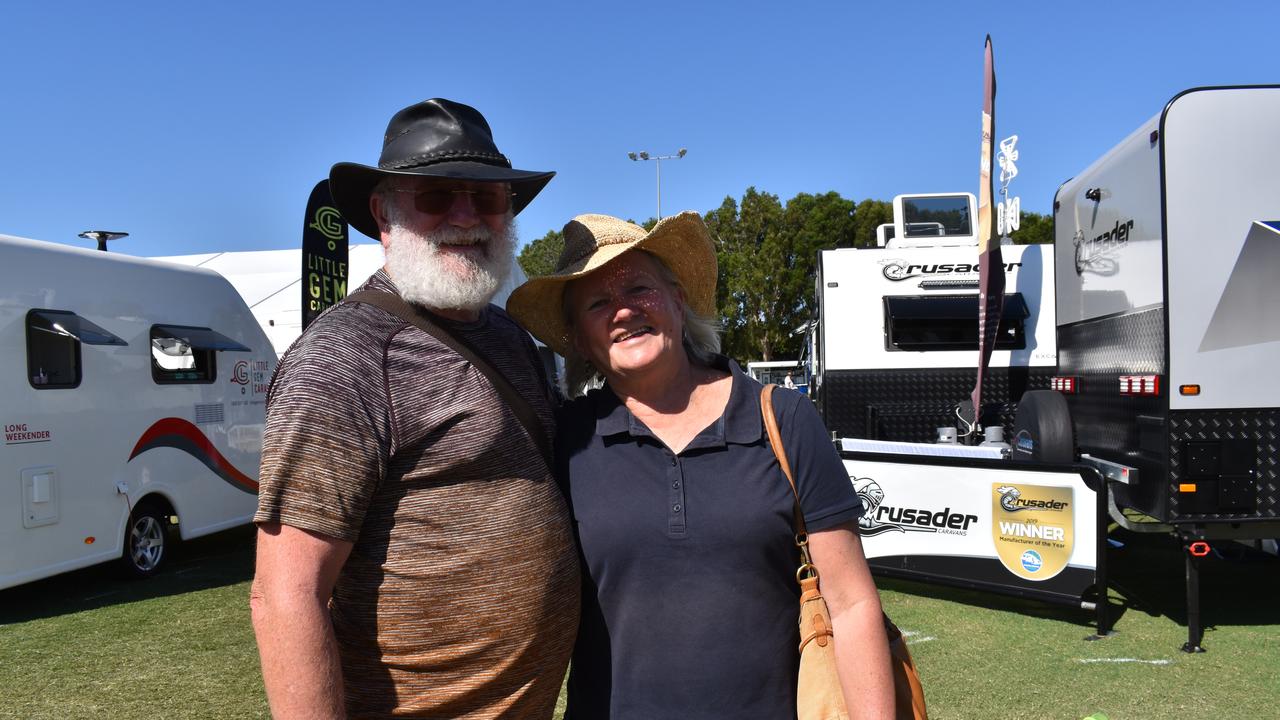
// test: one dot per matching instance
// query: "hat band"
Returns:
(444, 156)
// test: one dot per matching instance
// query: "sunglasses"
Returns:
(437, 201)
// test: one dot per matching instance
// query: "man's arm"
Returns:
(862, 650)
(295, 575)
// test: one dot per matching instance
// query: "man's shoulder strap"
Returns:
(523, 411)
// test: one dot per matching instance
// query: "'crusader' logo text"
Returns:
(1011, 500)
(878, 518)
(899, 270)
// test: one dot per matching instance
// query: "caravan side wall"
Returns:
(1187, 293)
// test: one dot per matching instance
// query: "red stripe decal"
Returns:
(182, 435)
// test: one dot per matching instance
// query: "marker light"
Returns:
(1189, 389)
(1199, 548)
(1186, 487)
(90, 540)
(1147, 385)
(1064, 385)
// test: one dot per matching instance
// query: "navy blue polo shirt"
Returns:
(689, 592)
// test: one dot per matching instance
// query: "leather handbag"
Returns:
(818, 692)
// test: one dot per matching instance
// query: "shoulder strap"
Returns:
(523, 411)
(775, 441)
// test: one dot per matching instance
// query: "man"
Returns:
(414, 554)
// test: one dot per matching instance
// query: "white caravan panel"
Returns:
(1107, 233)
(857, 281)
(1222, 177)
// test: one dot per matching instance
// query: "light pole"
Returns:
(643, 155)
(102, 236)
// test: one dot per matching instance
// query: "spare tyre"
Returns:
(1042, 429)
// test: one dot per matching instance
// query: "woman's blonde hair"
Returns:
(700, 338)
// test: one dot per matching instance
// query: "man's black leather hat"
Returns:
(434, 138)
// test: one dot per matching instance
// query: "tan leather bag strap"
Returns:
(775, 442)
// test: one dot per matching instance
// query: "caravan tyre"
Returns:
(146, 540)
(1042, 429)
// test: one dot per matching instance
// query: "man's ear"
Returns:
(378, 209)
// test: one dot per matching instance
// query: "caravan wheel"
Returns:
(146, 540)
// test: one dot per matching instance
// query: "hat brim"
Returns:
(350, 184)
(682, 242)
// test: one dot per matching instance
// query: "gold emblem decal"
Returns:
(1033, 528)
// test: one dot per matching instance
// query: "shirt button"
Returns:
(676, 507)
(675, 485)
(673, 462)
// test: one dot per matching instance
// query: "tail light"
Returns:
(1064, 385)
(1148, 385)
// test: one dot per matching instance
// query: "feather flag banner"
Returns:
(991, 279)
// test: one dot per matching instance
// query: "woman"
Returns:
(683, 516)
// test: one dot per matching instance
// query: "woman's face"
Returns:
(625, 317)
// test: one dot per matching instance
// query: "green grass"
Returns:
(986, 656)
(86, 645)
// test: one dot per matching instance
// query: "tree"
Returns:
(869, 215)
(1033, 229)
(540, 256)
(767, 256)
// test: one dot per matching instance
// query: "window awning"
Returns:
(69, 324)
(199, 338)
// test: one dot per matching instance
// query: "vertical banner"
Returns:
(324, 255)
(990, 260)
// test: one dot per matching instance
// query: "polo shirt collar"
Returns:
(740, 424)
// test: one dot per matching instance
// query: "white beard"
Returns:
(425, 276)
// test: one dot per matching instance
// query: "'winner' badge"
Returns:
(1032, 528)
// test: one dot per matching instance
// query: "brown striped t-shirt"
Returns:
(460, 596)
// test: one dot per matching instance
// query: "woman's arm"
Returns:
(862, 650)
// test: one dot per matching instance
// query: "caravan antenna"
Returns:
(102, 236)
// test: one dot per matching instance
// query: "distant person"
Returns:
(684, 517)
(414, 554)
(788, 383)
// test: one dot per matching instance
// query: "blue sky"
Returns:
(202, 127)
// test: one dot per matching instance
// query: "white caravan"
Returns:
(897, 344)
(132, 399)
(1168, 252)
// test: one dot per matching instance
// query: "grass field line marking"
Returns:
(918, 640)
(1125, 660)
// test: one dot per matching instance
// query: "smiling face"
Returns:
(625, 319)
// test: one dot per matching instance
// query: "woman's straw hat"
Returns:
(681, 242)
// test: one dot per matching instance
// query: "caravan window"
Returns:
(53, 355)
(936, 216)
(186, 354)
(949, 322)
(53, 347)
